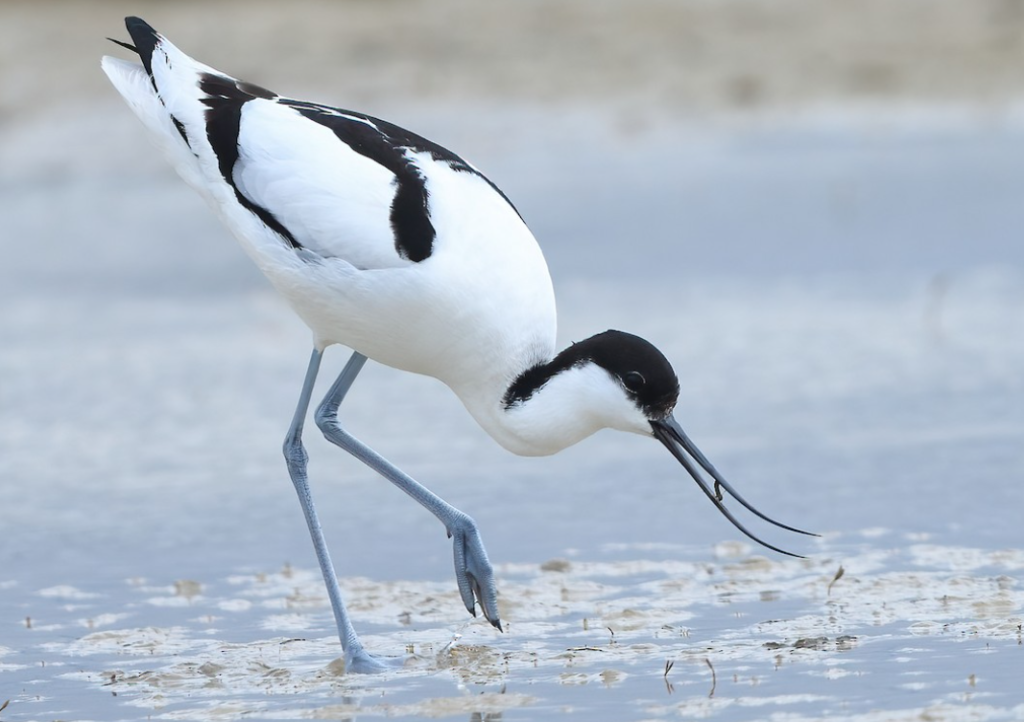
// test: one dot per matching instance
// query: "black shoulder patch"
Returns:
(420, 144)
(410, 212)
(388, 144)
(224, 100)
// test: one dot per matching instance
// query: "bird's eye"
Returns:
(633, 380)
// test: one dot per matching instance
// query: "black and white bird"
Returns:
(389, 244)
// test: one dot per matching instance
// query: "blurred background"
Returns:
(813, 206)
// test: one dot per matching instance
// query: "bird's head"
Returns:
(620, 381)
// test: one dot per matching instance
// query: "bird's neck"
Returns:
(544, 408)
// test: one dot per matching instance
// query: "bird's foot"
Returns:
(473, 570)
(360, 661)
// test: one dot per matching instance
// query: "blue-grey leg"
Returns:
(473, 570)
(357, 659)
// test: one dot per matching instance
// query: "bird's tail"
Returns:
(146, 40)
(174, 75)
(164, 93)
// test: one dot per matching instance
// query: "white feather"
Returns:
(335, 201)
(475, 314)
(541, 426)
(133, 83)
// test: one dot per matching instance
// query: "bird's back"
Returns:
(380, 239)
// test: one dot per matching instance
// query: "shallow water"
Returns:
(843, 303)
(730, 636)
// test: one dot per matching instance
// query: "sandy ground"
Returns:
(642, 57)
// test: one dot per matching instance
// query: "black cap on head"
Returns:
(644, 372)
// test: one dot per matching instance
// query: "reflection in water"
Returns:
(485, 717)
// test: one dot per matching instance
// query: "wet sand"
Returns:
(625, 640)
(836, 278)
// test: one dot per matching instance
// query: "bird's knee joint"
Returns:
(294, 452)
(464, 523)
(326, 418)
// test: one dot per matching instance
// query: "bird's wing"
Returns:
(333, 175)
(332, 182)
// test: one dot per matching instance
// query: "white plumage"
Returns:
(350, 285)
(399, 249)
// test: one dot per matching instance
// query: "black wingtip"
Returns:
(145, 39)
(129, 46)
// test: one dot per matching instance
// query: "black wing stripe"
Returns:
(388, 144)
(410, 211)
(418, 143)
(181, 130)
(224, 100)
(378, 140)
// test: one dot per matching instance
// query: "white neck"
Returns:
(571, 406)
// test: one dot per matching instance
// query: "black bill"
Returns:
(668, 432)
